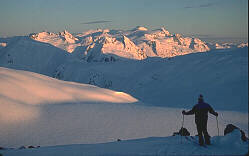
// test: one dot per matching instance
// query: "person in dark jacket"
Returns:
(201, 117)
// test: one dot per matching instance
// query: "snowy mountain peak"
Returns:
(127, 41)
(242, 45)
(140, 28)
(63, 40)
(162, 32)
(109, 48)
(166, 32)
(48, 37)
(41, 35)
(65, 32)
(3, 44)
(178, 35)
(106, 31)
(68, 37)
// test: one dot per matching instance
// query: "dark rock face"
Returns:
(230, 127)
(22, 147)
(2, 148)
(183, 132)
(31, 147)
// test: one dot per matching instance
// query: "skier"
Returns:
(201, 116)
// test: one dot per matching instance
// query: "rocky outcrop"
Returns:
(230, 128)
(183, 132)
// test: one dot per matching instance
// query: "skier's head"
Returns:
(200, 98)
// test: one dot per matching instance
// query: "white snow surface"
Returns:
(230, 144)
(227, 45)
(63, 40)
(54, 112)
(3, 44)
(221, 76)
(27, 54)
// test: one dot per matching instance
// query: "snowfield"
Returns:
(26, 54)
(230, 144)
(54, 112)
(221, 76)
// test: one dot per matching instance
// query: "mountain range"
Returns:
(138, 43)
(43, 52)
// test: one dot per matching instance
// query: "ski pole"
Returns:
(182, 120)
(182, 127)
(217, 125)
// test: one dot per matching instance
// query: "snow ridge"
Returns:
(27, 54)
(63, 40)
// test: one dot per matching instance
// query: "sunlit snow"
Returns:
(54, 112)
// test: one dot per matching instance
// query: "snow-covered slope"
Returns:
(230, 144)
(38, 90)
(27, 54)
(107, 48)
(39, 110)
(222, 76)
(162, 43)
(2, 45)
(63, 40)
(99, 45)
(227, 45)
(242, 45)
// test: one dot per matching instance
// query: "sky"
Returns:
(202, 18)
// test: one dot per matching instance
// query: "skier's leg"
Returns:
(199, 130)
(205, 132)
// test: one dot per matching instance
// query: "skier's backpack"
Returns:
(183, 132)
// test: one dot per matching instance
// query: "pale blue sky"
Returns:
(206, 18)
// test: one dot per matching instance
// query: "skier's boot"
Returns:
(201, 141)
(207, 140)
